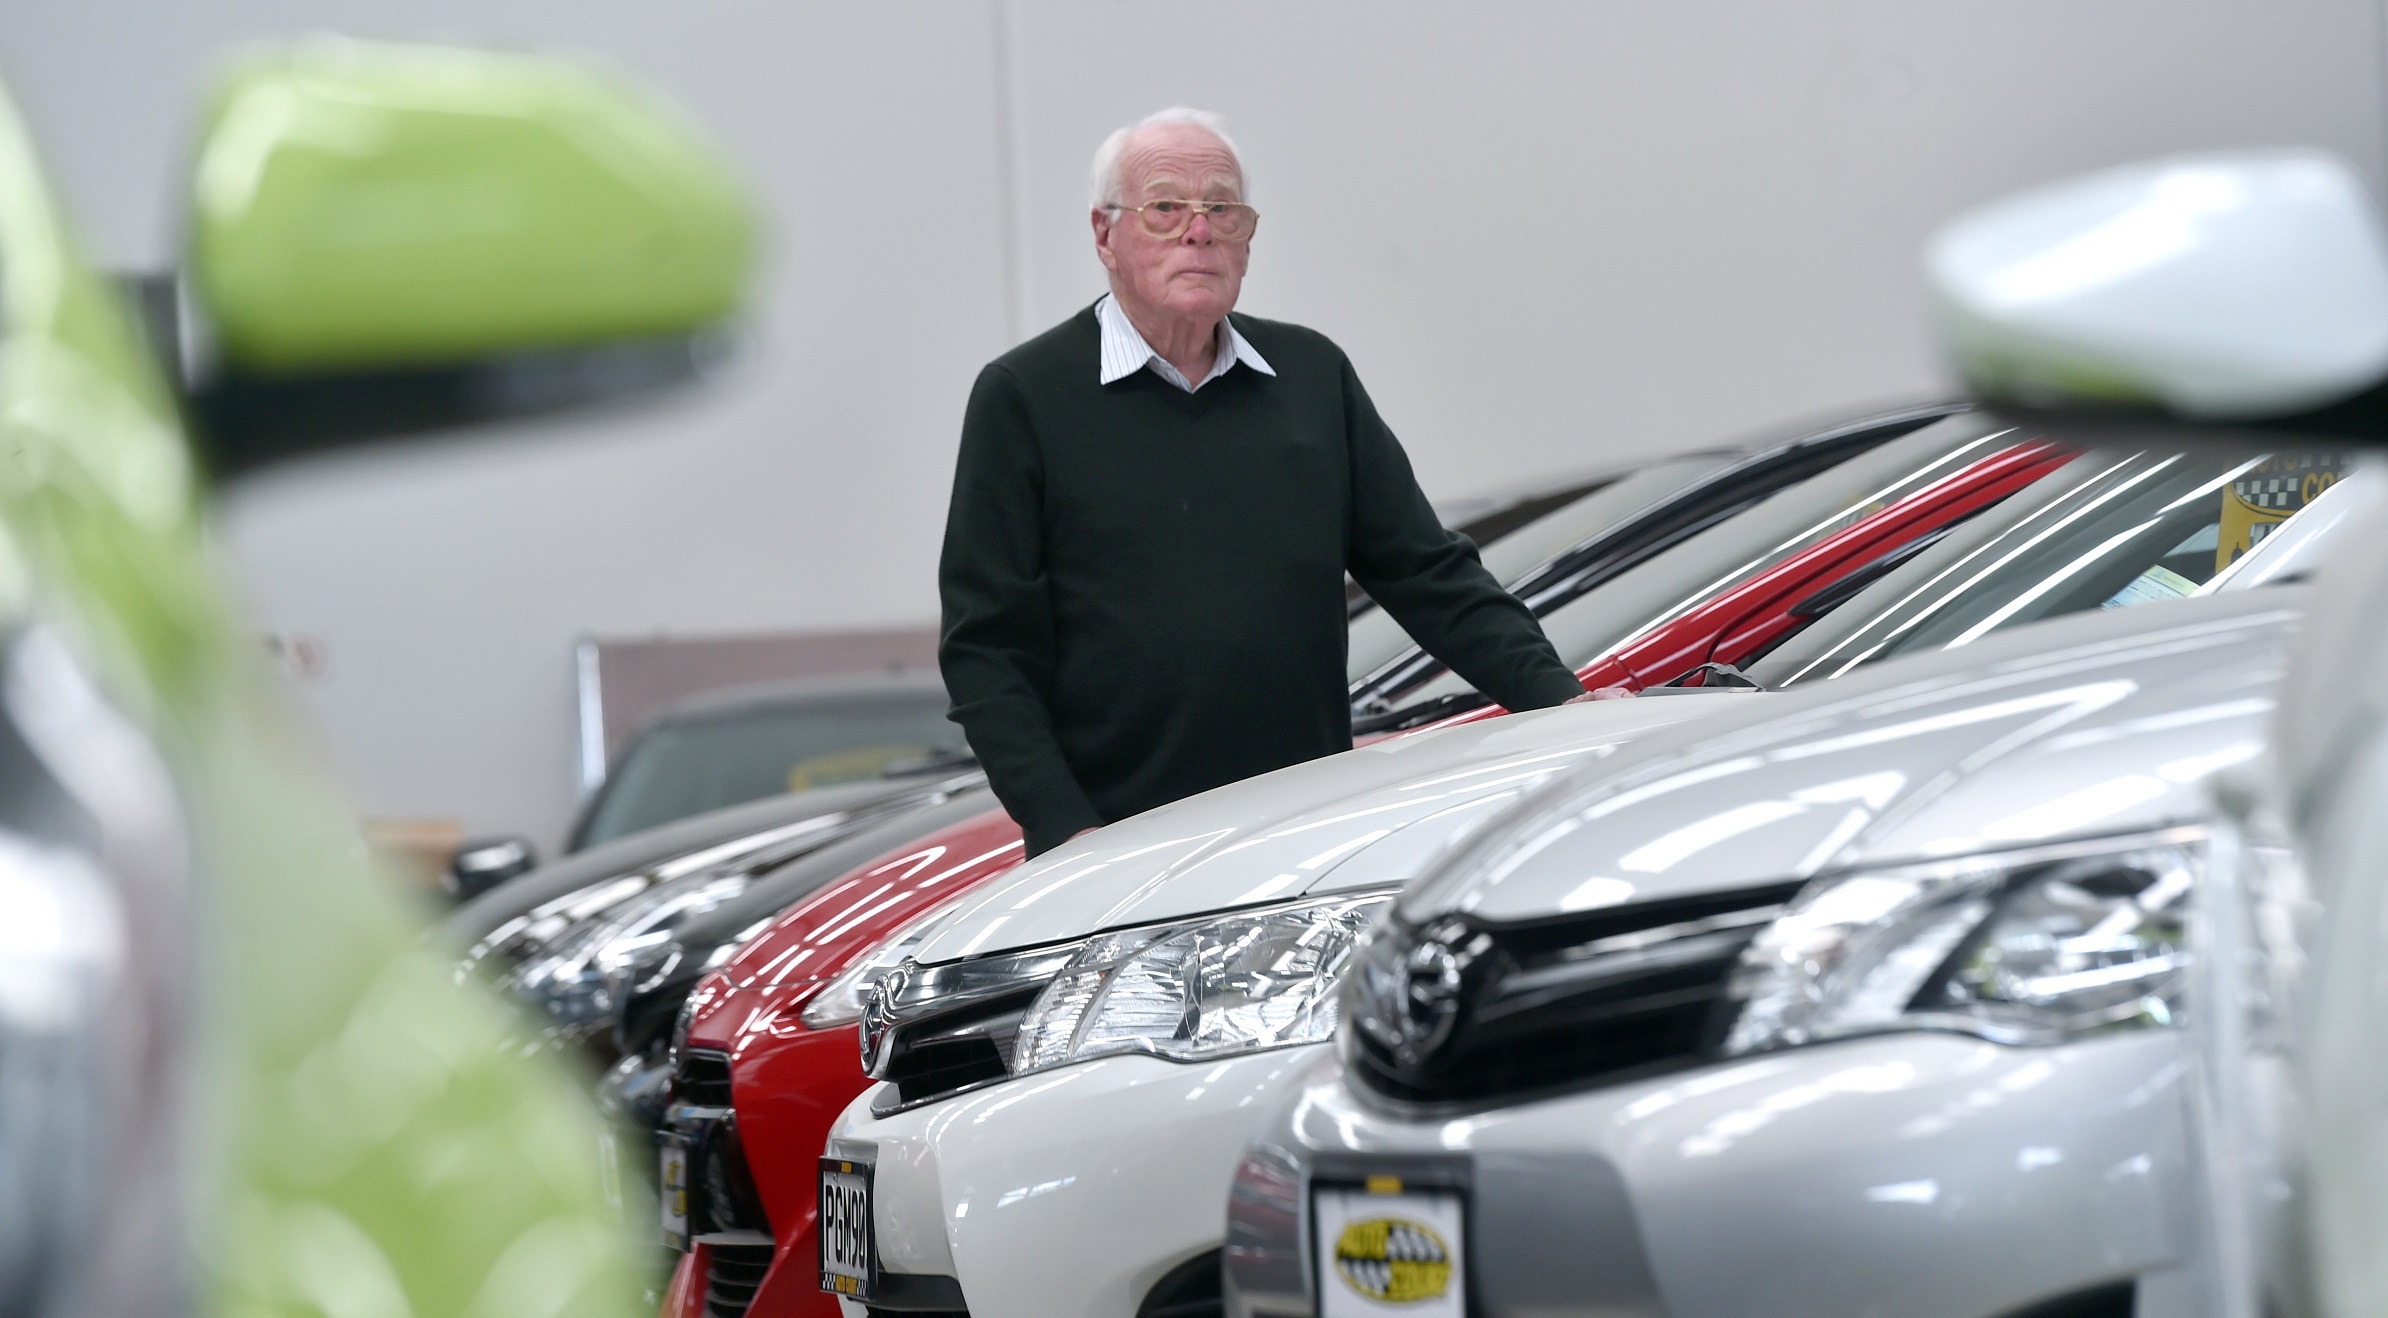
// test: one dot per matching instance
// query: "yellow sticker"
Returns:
(848, 765)
(1393, 1260)
(2267, 494)
(1384, 1185)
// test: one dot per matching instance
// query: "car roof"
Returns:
(801, 692)
(1496, 499)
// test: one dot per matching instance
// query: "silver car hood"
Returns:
(1381, 814)
(2085, 726)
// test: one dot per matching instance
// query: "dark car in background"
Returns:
(742, 743)
(734, 745)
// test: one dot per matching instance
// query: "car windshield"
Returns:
(689, 764)
(1509, 552)
(2112, 529)
(1585, 626)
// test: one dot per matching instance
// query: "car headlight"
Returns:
(506, 948)
(584, 976)
(840, 1001)
(1200, 989)
(2029, 947)
(550, 932)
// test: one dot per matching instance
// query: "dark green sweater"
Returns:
(1143, 588)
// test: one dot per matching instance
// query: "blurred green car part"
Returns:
(366, 206)
(230, 1082)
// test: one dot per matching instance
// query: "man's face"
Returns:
(1194, 274)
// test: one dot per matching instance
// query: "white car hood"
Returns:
(2094, 725)
(1381, 814)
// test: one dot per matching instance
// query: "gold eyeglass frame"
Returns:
(1212, 209)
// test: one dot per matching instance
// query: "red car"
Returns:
(770, 1035)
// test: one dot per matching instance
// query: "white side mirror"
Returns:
(2219, 288)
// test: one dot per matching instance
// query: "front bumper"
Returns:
(1070, 1192)
(1925, 1175)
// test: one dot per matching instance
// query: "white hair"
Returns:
(1106, 184)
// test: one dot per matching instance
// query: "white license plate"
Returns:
(848, 1265)
(1387, 1248)
(671, 1179)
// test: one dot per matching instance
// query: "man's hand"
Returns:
(1603, 693)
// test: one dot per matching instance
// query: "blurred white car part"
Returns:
(2218, 287)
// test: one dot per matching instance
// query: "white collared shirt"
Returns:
(1125, 352)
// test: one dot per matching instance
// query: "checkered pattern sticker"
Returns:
(2267, 494)
(1389, 1252)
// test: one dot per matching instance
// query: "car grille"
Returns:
(702, 1078)
(958, 1051)
(733, 1276)
(1593, 998)
(722, 1199)
(722, 1190)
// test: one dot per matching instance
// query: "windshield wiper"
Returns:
(1713, 677)
(941, 760)
(1411, 716)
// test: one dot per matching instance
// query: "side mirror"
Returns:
(482, 865)
(2217, 289)
(387, 239)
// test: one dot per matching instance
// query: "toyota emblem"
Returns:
(1431, 975)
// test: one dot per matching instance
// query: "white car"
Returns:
(1078, 1054)
(1074, 1186)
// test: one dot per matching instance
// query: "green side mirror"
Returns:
(2222, 289)
(393, 238)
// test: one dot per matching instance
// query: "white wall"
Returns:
(1551, 233)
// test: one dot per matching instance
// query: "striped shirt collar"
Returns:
(1125, 352)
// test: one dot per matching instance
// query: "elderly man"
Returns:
(1154, 508)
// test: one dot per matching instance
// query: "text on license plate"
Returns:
(845, 1228)
(672, 1180)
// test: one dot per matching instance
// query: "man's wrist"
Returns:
(1557, 689)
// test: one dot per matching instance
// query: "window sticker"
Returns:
(2157, 583)
(2268, 494)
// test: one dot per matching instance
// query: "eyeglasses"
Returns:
(1231, 221)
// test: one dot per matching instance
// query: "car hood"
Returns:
(753, 824)
(2094, 725)
(777, 889)
(1378, 815)
(654, 1001)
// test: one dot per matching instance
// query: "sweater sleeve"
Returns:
(1429, 578)
(996, 645)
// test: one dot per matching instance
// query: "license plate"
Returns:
(1389, 1248)
(849, 1264)
(671, 1179)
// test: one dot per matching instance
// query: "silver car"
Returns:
(1856, 1004)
